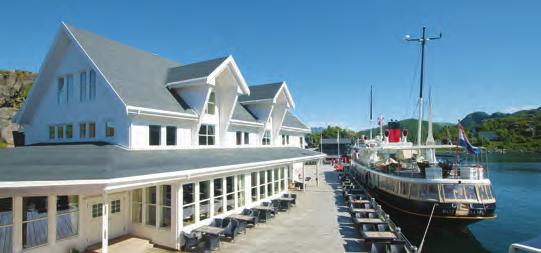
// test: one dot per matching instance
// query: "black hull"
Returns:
(420, 211)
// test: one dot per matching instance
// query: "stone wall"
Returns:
(14, 87)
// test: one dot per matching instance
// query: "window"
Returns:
(137, 206)
(246, 138)
(239, 138)
(301, 141)
(429, 192)
(69, 131)
(276, 181)
(262, 187)
(204, 200)
(218, 196)
(35, 221)
(60, 90)
(6, 223)
(154, 135)
(92, 130)
(470, 192)
(269, 183)
(115, 206)
(267, 138)
(109, 129)
(51, 132)
(69, 88)
(230, 191)
(188, 205)
(92, 85)
(60, 132)
(171, 134)
(82, 87)
(82, 130)
(97, 210)
(240, 190)
(455, 191)
(284, 179)
(206, 135)
(67, 216)
(150, 205)
(211, 104)
(254, 186)
(165, 206)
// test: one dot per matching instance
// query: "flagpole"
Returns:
(338, 142)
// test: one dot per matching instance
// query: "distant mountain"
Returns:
(474, 118)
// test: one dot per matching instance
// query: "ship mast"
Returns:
(423, 39)
(370, 112)
(430, 137)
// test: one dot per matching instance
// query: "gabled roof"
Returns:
(291, 120)
(135, 75)
(205, 72)
(262, 92)
(194, 70)
(267, 92)
(241, 113)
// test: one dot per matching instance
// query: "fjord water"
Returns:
(516, 180)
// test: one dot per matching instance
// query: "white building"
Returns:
(125, 142)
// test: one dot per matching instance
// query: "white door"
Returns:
(117, 213)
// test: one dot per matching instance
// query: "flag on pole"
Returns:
(380, 120)
(465, 142)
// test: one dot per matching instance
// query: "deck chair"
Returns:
(253, 214)
(378, 248)
(191, 240)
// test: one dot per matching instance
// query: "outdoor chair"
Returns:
(253, 214)
(368, 227)
(274, 209)
(398, 248)
(212, 242)
(191, 240)
(378, 248)
(230, 228)
(383, 228)
(291, 195)
(264, 215)
(217, 222)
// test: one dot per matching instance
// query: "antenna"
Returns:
(371, 87)
(423, 39)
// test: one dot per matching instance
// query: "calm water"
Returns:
(516, 180)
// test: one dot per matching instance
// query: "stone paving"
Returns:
(318, 223)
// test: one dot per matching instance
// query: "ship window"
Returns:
(485, 192)
(404, 188)
(470, 192)
(429, 192)
(414, 191)
(453, 191)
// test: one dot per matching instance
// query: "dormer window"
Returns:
(60, 91)
(266, 138)
(211, 104)
(207, 135)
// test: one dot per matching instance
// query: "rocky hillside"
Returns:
(14, 87)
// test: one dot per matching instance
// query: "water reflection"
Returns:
(440, 238)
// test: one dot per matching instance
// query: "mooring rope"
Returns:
(426, 230)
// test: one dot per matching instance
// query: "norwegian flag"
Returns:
(380, 120)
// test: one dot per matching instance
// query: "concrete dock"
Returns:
(318, 223)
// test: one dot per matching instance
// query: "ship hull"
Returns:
(420, 210)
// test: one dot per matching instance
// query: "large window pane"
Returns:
(165, 206)
(218, 196)
(239, 137)
(137, 206)
(6, 225)
(154, 135)
(246, 138)
(240, 190)
(151, 206)
(206, 135)
(35, 223)
(188, 204)
(67, 216)
(204, 200)
(230, 193)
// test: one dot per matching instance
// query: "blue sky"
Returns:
(329, 52)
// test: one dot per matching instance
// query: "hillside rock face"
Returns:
(14, 87)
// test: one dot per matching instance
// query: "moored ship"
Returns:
(413, 179)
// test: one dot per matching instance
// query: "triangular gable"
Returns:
(205, 73)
